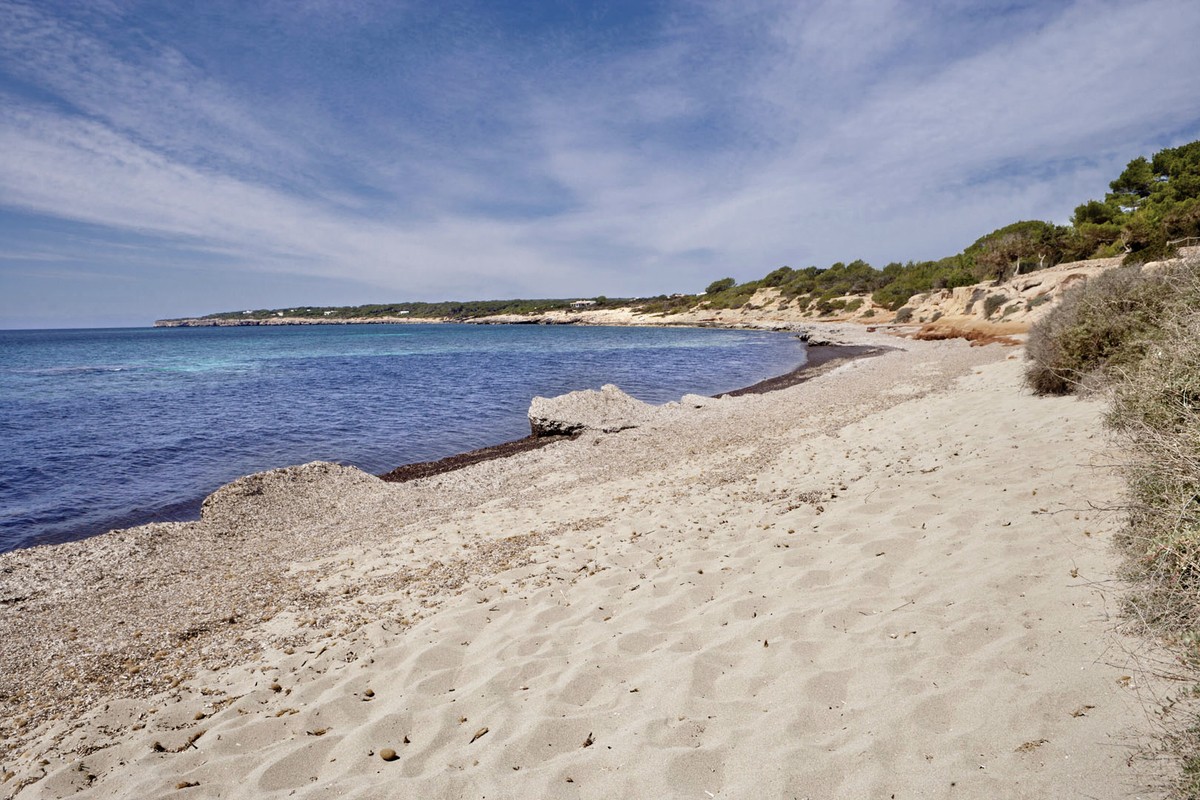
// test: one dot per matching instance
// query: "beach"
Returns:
(894, 579)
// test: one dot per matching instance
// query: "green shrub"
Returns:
(904, 314)
(870, 312)
(721, 285)
(734, 296)
(993, 302)
(1102, 325)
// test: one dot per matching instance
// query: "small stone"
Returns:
(388, 754)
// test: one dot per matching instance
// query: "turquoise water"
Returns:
(111, 428)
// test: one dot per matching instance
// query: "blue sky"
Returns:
(170, 159)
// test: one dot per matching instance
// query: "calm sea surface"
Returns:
(111, 428)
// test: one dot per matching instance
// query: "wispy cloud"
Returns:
(474, 154)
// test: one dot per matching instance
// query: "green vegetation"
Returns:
(666, 304)
(446, 310)
(718, 286)
(729, 294)
(991, 303)
(1136, 335)
(1152, 209)
(1098, 328)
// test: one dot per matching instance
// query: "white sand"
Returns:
(887, 582)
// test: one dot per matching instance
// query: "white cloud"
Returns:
(728, 142)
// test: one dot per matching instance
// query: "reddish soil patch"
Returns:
(977, 338)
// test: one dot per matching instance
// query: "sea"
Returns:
(110, 428)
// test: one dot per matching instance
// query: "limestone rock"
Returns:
(696, 401)
(608, 410)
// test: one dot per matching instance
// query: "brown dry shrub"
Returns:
(1155, 413)
(1100, 326)
(978, 338)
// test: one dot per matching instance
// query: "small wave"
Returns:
(74, 370)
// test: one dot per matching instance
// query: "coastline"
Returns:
(753, 548)
(181, 502)
(820, 360)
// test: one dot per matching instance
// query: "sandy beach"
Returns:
(891, 581)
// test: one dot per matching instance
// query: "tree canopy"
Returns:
(1152, 208)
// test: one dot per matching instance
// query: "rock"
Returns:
(814, 339)
(696, 401)
(607, 411)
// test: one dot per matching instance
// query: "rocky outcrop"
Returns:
(605, 411)
(1017, 302)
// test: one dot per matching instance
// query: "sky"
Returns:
(166, 159)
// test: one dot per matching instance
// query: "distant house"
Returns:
(583, 303)
(327, 313)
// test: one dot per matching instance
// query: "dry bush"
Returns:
(933, 333)
(1155, 413)
(1099, 327)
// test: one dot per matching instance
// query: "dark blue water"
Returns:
(112, 428)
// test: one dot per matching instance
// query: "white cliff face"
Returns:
(1022, 300)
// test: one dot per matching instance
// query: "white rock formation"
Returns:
(607, 411)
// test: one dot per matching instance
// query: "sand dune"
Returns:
(886, 582)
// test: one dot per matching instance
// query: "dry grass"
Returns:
(1099, 327)
(1135, 334)
(932, 332)
(1155, 414)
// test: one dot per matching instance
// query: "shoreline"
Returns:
(188, 510)
(820, 359)
(853, 586)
